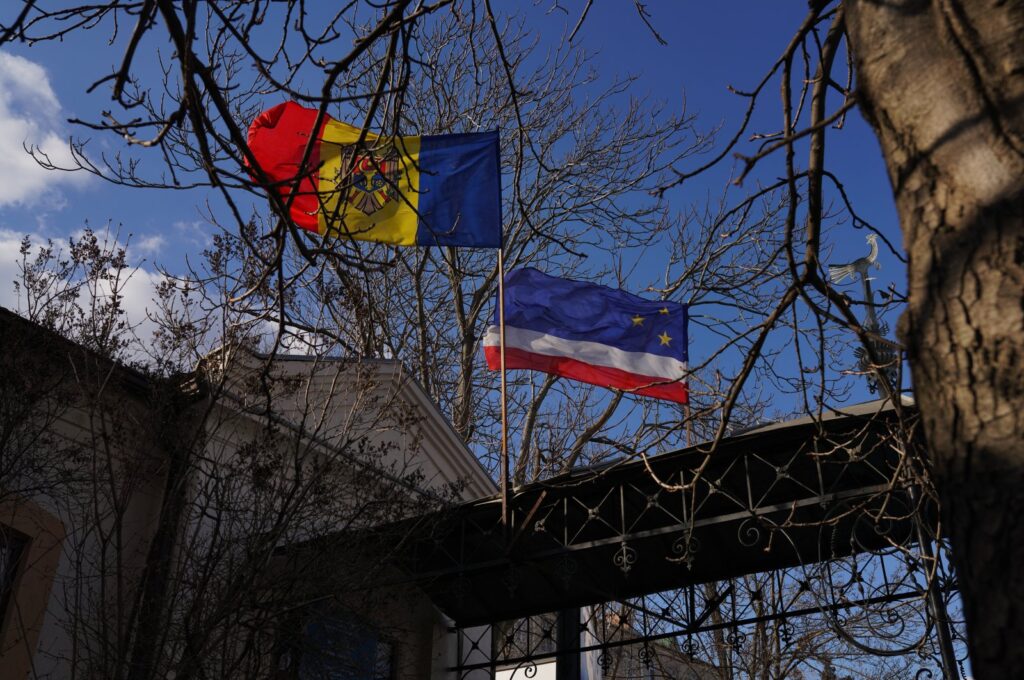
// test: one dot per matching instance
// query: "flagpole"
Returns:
(505, 482)
(686, 406)
(686, 417)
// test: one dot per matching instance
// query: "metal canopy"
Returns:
(778, 497)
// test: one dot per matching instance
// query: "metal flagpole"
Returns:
(505, 483)
(686, 415)
(686, 406)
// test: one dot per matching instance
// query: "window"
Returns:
(340, 646)
(13, 545)
(30, 548)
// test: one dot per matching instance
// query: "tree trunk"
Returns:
(942, 82)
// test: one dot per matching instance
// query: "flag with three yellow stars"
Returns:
(591, 333)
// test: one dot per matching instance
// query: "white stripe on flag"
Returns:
(593, 353)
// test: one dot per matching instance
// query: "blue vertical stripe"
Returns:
(460, 191)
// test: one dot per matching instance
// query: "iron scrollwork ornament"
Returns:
(785, 633)
(885, 355)
(736, 639)
(646, 655)
(685, 546)
(749, 533)
(625, 557)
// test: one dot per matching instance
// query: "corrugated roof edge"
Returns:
(868, 408)
(862, 409)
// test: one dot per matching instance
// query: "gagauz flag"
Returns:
(592, 333)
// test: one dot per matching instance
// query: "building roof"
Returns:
(664, 522)
(57, 353)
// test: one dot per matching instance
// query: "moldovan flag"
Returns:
(443, 190)
(595, 334)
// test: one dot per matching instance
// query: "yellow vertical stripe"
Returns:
(377, 200)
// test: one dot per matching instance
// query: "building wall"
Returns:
(99, 526)
(83, 486)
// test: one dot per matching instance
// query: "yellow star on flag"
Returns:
(664, 337)
(663, 310)
(638, 320)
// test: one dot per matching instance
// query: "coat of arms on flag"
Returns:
(373, 180)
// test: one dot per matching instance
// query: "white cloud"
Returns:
(194, 232)
(138, 291)
(147, 245)
(30, 116)
(10, 243)
(137, 287)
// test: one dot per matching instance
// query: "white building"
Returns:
(197, 526)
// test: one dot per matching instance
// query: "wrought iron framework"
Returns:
(724, 548)
(872, 608)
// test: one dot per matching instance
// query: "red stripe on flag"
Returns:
(278, 138)
(588, 373)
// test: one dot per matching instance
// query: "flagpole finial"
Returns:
(887, 367)
(838, 273)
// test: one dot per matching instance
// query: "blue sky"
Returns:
(710, 46)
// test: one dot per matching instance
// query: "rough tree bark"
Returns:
(942, 82)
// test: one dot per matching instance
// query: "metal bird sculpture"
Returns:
(880, 365)
(840, 272)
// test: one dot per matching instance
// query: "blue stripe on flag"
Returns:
(577, 310)
(460, 191)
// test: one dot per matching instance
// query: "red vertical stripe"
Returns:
(278, 138)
